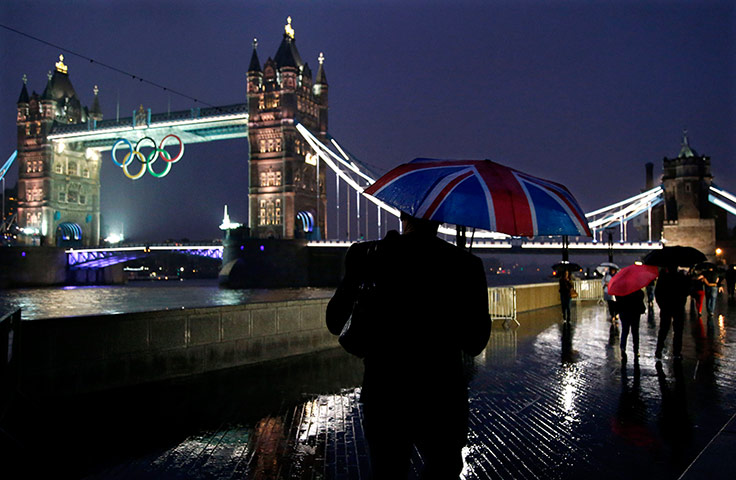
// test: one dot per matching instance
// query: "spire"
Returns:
(255, 64)
(47, 95)
(686, 151)
(96, 112)
(321, 77)
(287, 54)
(23, 98)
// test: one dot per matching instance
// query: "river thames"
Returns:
(142, 296)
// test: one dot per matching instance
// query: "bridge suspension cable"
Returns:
(348, 168)
(621, 212)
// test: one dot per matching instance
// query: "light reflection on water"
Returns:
(54, 302)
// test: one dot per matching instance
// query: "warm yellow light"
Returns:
(310, 159)
(288, 28)
(719, 251)
(60, 67)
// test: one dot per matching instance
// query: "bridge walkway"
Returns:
(547, 402)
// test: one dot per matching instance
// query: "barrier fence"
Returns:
(503, 301)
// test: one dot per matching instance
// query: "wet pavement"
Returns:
(548, 401)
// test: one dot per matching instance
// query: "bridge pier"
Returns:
(278, 263)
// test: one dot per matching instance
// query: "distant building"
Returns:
(58, 187)
(686, 216)
(287, 196)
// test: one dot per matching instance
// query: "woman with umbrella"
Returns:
(566, 293)
(627, 287)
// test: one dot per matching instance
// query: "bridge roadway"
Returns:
(102, 257)
(548, 401)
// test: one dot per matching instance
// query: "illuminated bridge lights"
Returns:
(102, 257)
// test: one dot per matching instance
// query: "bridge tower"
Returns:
(58, 186)
(287, 196)
(688, 215)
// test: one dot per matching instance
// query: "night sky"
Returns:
(580, 92)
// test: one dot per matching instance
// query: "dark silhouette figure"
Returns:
(630, 307)
(566, 289)
(671, 293)
(610, 299)
(433, 309)
(731, 282)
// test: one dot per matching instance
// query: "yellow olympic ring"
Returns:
(126, 162)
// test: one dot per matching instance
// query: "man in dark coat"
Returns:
(671, 294)
(433, 309)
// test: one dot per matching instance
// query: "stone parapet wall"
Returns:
(81, 354)
(63, 356)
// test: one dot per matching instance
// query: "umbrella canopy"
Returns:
(632, 278)
(605, 266)
(679, 255)
(481, 194)
(572, 267)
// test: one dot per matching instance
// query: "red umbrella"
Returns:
(632, 278)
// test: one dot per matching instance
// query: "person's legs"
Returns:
(665, 319)
(625, 326)
(388, 441)
(699, 301)
(635, 333)
(565, 304)
(678, 323)
(442, 459)
(712, 296)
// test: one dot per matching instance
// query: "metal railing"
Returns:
(589, 289)
(502, 303)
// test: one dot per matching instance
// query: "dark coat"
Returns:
(434, 307)
(631, 304)
(672, 290)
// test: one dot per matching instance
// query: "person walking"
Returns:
(710, 281)
(697, 292)
(671, 294)
(630, 307)
(610, 299)
(566, 293)
(431, 309)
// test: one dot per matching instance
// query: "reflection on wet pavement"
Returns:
(548, 401)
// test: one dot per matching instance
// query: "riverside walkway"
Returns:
(548, 401)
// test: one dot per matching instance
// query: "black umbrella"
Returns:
(705, 266)
(679, 255)
(572, 267)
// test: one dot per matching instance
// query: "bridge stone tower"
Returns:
(287, 197)
(688, 215)
(58, 184)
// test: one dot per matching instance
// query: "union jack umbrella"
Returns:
(481, 194)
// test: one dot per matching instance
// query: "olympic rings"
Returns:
(146, 160)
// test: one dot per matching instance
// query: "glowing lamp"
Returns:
(719, 251)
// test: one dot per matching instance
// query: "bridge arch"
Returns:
(68, 234)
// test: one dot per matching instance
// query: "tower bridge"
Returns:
(291, 160)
